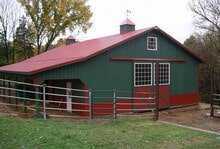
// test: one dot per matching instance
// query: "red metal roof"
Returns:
(69, 54)
(73, 53)
(127, 21)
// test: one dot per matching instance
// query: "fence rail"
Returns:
(82, 102)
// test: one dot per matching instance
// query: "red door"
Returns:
(148, 91)
(144, 86)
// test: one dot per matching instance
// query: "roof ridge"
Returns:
(107, 36)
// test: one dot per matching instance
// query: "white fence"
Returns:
(81, 102)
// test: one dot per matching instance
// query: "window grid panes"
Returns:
(164, 73)
(143, 74)
(152, 43)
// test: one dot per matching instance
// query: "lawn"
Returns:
(124, 133)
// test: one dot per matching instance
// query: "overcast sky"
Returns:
(173, 16)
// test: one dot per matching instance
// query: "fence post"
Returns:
(9, 92)
(212, 109)
(114, 104)
(24, 101)
(44, 101)
(211, 92)
(37, 103)
(157, 96)
(3, 84)
(90, 105)
(17, 95)
(68, 97)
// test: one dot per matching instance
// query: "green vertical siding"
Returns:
(101, 73)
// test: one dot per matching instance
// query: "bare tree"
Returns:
(207, 14)
(8, 20)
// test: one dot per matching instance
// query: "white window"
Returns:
(142, 74)
(164, 73)
(152, 43)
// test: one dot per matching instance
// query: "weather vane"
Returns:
(128, 13)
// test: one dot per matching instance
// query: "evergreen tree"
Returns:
(3, 59)
(23, 41)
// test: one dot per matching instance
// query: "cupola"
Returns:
(127, 26)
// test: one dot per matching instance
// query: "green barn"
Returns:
(124, 62)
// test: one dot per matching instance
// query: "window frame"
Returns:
(153, 70)
(168, 74)
(150, 37)
(134, 75)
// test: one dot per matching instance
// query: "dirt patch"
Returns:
(14, 111)
(4, 110)
(194, 116)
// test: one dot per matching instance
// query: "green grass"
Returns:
(125, 133)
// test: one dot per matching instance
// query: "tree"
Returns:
(51, 18)
(8, 20)
(2, 52)
(207, 18)
(23, 41)
(207, 14)
(192, 42)
(209, 73)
